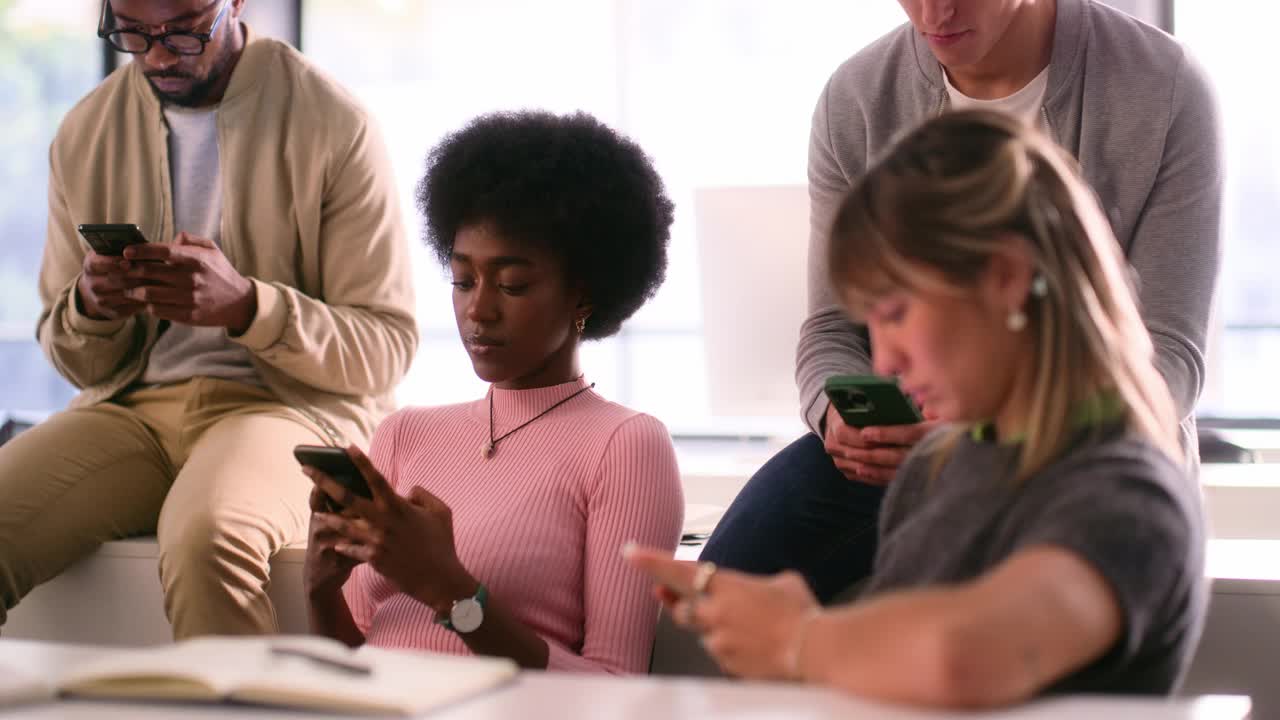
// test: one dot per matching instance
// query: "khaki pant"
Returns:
(206, 465)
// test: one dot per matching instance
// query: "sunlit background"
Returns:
(719, 92)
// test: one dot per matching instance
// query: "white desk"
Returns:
(1243, 501)
(588, 697)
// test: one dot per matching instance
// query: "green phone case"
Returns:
(870, 400)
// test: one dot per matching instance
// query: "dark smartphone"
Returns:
(334, 462)
(870, 401)
(111, 238)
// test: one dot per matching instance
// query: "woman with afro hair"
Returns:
(494, 527)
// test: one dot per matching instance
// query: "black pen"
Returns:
(350, 667)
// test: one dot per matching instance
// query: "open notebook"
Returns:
(295, 671)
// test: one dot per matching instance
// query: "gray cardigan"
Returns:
(1133, 107)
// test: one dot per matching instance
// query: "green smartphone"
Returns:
(111, 238)
(870, 401)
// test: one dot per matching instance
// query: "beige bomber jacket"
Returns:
(310, 214)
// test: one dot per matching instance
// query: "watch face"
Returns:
(466, 615)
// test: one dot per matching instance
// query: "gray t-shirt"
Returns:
(1115, 501)
(185, 351)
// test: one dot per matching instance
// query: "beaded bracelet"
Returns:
(791, 662)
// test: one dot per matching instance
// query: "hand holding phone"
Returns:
(326, 569)
(190, 281)
(111, 238)
(871, 426)
(337, 464)
(408, 539)
(763, 619)
(100, 290)
(871, 400)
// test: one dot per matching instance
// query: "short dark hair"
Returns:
(567, 183)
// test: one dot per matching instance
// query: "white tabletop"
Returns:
(1242, 474)
(573, 697)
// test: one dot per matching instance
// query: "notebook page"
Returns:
(400, 682)
(200, 669)
(20, 688)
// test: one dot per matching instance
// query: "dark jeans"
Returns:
(798, 512)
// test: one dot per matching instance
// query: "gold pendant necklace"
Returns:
(488, 449)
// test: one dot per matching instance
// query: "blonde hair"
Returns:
(947, 197)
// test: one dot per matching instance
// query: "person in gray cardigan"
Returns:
(1124, 98)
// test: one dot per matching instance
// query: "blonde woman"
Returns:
(1051, 540)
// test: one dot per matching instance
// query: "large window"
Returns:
(1243, 379)
(719, 92)
(49, 58)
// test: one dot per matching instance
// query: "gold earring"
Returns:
(580, 324)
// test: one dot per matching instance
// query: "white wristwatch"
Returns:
(466, 614)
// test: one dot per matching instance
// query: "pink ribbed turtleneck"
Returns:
(541, 523)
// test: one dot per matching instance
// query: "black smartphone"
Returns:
(870, 401)
(111, 238)
(337, 464)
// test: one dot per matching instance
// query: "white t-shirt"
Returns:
(184, 351)
(1025, 103)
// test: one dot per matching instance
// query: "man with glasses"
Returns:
(272, 307)
(190, 77)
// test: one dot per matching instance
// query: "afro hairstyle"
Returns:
(566, 183)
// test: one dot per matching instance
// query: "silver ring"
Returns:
(702, 577)
(685, 611)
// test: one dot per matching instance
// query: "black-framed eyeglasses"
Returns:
(178, 42)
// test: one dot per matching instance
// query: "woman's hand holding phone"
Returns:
(325, 570)
(409, 541)
(753, 626)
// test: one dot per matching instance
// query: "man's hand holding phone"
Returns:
(102, 289)
(191, 282)
(103, 285)
(870, 454)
